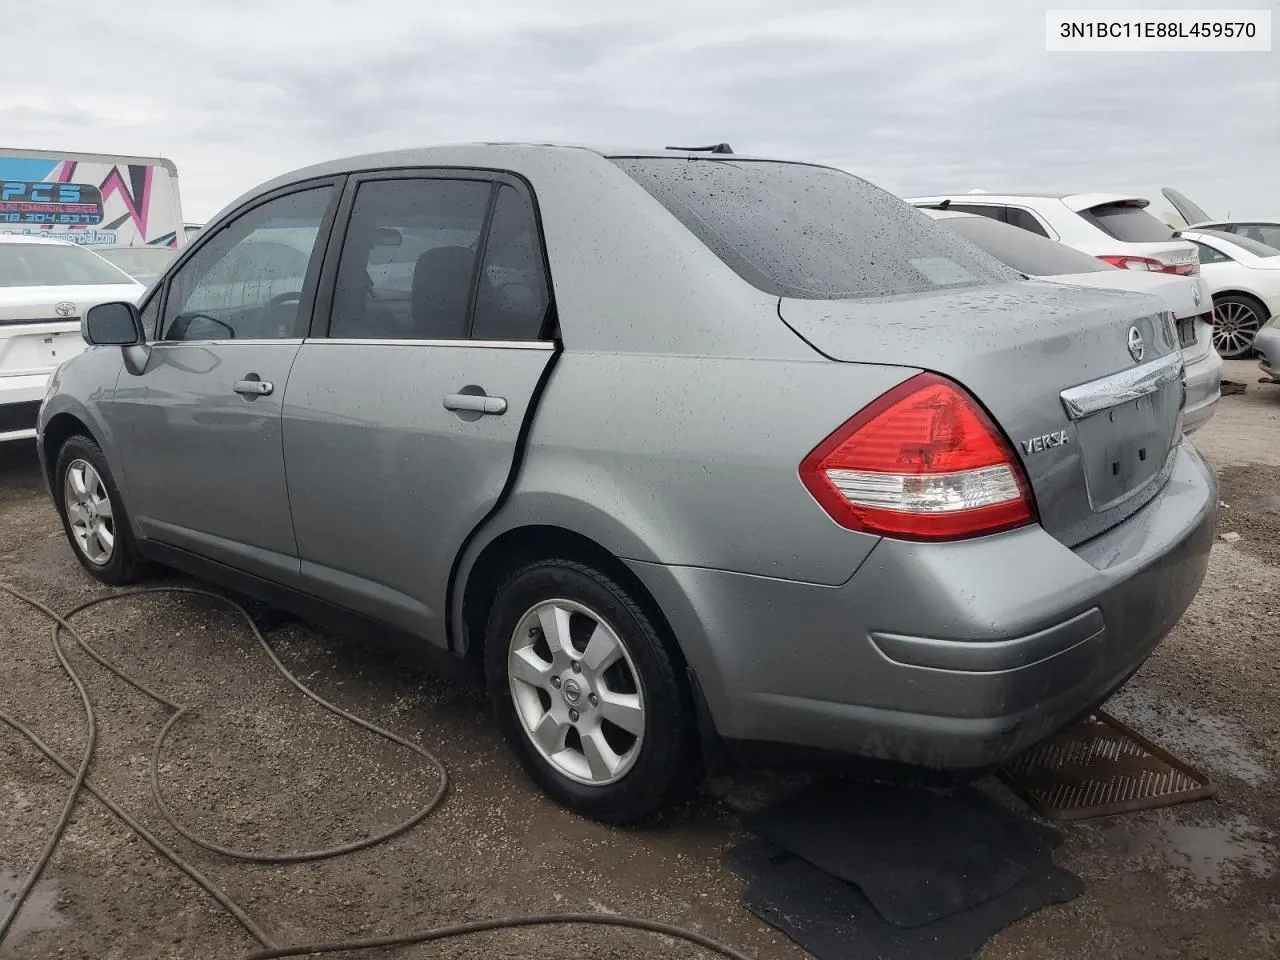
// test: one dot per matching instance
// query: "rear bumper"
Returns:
(1204, 389)
(944, 656)
(20, 399)
(1267, 345)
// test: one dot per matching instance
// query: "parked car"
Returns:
(693, 455)
(1244, 276)
(1267, 345)
(1262, 230)
(1113, 227)
(45, 287)
(1187, 298)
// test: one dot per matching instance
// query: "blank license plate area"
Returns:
(1127, 445)
(28, 353)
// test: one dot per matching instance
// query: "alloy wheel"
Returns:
(577, 692)
(1234, 327)
(89, 512)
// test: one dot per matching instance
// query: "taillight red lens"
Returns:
(922, 462)
(1127, 262)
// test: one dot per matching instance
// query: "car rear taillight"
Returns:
(922, 462)
(1127, 262)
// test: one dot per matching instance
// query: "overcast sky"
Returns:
(919, 96)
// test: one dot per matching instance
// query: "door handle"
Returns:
(253, 388)
(475, 403)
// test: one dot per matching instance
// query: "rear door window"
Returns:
(408, 259)
(988, 210)
(795, 230)
(1128, 223)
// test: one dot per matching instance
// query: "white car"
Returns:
(1113, 227)
(1188, 298)
(1244, 277)
(46, 285)
(1260, 229)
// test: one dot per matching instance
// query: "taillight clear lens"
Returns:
(922, 462)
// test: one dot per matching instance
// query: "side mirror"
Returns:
(112, 325)
(386, 237)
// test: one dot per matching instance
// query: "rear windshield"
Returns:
(1245, 243)
(53, 265)
(795, 230)
(1022, 250)
(1128, 222)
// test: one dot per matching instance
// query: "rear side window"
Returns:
(981, 209)
(1209, 255)
(1257, 248)
(1128, 223)
(1037, 256)
(1026, 220)
(794, 230)
(511, 299)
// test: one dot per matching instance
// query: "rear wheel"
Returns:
(92, 513)
(1237, 321)
(587, 692)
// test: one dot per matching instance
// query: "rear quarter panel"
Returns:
(693, 461)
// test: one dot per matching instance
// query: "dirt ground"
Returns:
(258, 766)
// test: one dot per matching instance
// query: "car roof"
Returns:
(490, 154)
(1243, 221)
(28, 238)
(1074, 201)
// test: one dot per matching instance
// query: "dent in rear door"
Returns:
(400, 431)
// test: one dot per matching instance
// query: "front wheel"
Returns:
(588, 693)
(1237, 321)
(92, 513)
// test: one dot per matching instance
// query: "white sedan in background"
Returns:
(46, 285)
(1244, 277)
(1187, 298)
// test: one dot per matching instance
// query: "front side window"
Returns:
(247, 281)
(54, 265)
(795, 230)
(408, 260)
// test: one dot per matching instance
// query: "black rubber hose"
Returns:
(81, 782)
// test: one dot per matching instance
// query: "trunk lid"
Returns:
(1187, 298)
(1187, 210)
(40, 326)
(1093, 423)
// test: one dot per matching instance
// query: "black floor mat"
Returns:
(834, 919)
(917, 856)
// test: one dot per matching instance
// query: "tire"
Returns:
(82, 486)
(1237, 320)
(655, 768)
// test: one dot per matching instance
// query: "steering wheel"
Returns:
(187, 318)
(283, 298)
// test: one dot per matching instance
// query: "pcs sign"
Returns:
(69, 204)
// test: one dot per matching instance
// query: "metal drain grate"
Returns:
(1098, 768)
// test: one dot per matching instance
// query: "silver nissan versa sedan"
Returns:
(700, 458)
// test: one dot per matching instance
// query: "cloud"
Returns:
(919, 97)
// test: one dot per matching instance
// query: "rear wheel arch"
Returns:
(1245, 295)
(521, 546)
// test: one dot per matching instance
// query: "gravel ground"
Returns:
(256, 765)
